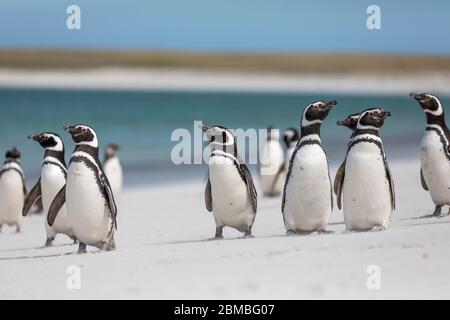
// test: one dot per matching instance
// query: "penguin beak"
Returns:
(70, 129)
(329, 105)
(417, 96)
(386, 114)
(36, 137)
(342, 122)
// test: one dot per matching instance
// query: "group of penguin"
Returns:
(363, 186)
(78, 200)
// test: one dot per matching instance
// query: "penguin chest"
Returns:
(52, 180)
(230, 201)
(435, 167)
(11, 197)
(113, 171)
(308, 199)
(366, 190)
(272, 161)
(86, 205)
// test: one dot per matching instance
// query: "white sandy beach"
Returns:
(163, 252)
(191, 80)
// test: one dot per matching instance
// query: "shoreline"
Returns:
(191, 80)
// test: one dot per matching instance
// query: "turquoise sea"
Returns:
(141, 122)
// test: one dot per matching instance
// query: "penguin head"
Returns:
(350, 122)
(48, 140)
(218, 134)
(82, 134)
(316, 112)
(372, 118)
(428, 102)
(12, 153)
(111, 150)
(290, 135)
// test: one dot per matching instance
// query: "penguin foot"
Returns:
(247, 236)
(437, 212)
(378, 228)
(291, 233)
(443, 215)
(81, 248)
(111, 246)
(18, 229)
(49, 243)
(219, 233)
(324, 231)
(216, 238)
(1, 226)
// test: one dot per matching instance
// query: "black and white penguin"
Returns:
(307, 199)
(52, 179)
(290, 138)
(366, 180)
(13, 190)
(435, 152)
(88, 195)
(230, 193)
(272, 169)
(113, 169)
(350, 122)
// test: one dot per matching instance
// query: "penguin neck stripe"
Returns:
(311, 137)
(13, 168)
(366, 131)
(368, 139)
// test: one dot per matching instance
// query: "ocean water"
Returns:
(142, 122)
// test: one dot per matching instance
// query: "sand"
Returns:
(191, 80)
(164, 253)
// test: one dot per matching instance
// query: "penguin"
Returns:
(350, 122)
(272, 168)
(307, 198)
(230, 193)
(113, 169)
(88, 195)
(13, 190)
(290, 138)
(52, 179)
(365, 182)
(435, 152)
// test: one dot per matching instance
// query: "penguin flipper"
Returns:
(208, 196)
(422, 180)
(391, 183)
(32, 197)
(56, 205)
(339, 182)
(251, 190)
(110, 199)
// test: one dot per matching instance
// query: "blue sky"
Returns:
(416, 27)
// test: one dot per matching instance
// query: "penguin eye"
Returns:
(370, 113)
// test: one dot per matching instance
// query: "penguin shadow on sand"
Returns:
(30, 257)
